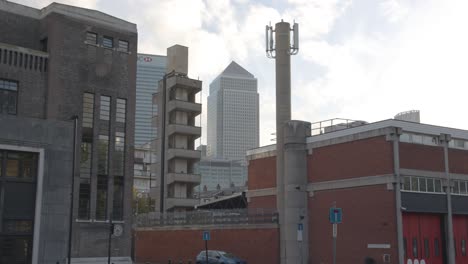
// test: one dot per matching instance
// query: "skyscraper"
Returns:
(150, 69)
(233, 119)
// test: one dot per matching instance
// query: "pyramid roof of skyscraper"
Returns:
(234, 69)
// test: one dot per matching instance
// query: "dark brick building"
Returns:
(378, 173)
(56, 64)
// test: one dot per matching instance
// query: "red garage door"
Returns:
(460, 234)
(422, 238)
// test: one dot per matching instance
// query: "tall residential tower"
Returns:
(233, 119)
(177, 132)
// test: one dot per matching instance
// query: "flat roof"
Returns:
(406, 126)
(85, 14)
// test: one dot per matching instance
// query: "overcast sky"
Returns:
(362, 60)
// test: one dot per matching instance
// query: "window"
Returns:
(91, 38)
(8, 96)
(436, 247)
(84, 199)
(405, 248)
(18, 171)
(426, 248)
(121, 110)
(105, 107)
(463, 247)
(119, 153)
(88, 110)
(415, 248)
(103, 155)
(85, 161)
(107, 42)
(117, 212)
(85, 179)
(101, 198)
(123, 45)
(21, 165)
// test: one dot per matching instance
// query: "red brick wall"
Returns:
(268, 202)
(458, 161)
(421, 157)
(368, 218)
(256, 245)
(262, 173)
(366, 157)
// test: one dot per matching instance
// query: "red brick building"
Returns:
(402, 186)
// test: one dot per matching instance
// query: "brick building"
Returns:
(402, 187)
(57, 64)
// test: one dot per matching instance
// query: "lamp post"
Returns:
(75, 127)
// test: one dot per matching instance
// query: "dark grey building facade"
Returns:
(56, 64)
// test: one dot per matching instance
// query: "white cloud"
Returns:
(368, 75)
(395, 10)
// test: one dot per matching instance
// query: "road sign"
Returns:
(335, 215)
(206, 235)
(300, 228)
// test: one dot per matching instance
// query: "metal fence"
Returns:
(207, 217)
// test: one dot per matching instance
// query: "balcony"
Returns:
(23, 58)
(183, 177)
(181, 202)
(184, 130)
(183, 154)
(191, 85)
(185, 106)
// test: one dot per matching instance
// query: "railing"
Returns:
(207, 217)
(335, 124)
(28, 59)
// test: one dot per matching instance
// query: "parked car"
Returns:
(218, 257)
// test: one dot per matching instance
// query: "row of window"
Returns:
(432, 185)
(107, 42)
(422, 184)
(432, 140)
(104, 111)
(103, 154)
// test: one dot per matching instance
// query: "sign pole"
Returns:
(335, 231)
(206, 250)
(206, 237)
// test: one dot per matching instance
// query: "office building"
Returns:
(233, 119)
(220, 173)
(67, 93)
(150, 69)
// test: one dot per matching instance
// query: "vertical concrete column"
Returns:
(295, 196)
(283, 114)
(395, 137)
(444, 140)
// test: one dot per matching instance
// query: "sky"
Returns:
(362, 60)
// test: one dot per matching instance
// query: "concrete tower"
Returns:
(177, 132)
(233, 119)
(290, 208)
